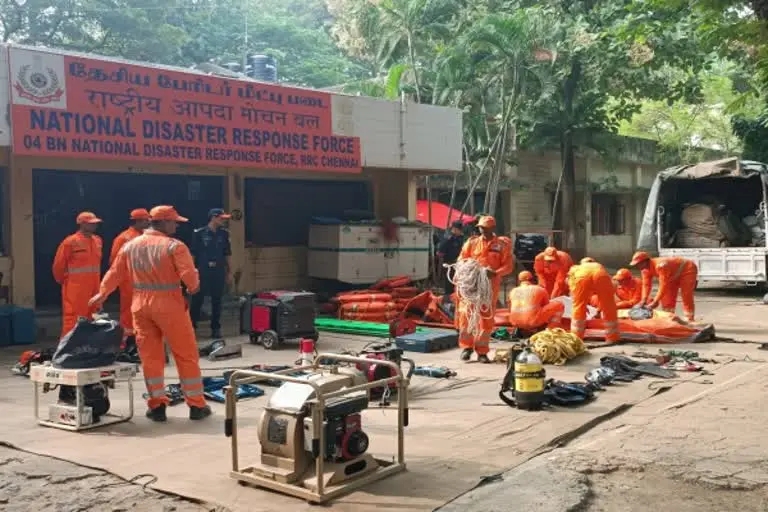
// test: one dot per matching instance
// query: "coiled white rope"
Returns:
(475, 290)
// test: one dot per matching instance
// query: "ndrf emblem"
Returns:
(38, 84)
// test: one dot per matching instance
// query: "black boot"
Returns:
(482, 358)
(157, 414)
(466, 354)
(199, 413)
(130, 344)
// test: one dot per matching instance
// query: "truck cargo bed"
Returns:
(732, 264)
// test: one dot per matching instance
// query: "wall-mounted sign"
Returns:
(237, 215)
(66, 106)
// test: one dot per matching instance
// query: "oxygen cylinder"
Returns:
(529, 381)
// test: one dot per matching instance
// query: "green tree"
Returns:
(178, 32)
(686, 130)
(137, 29)
(603, 76)
(295, 32)
(577, 75)
(734, 29)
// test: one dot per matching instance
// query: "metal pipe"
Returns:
(353, 359)
(659, 227)
(230, 398)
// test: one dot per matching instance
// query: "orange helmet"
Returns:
(87, 218)
(486, 221)
(639, 257)
(587, 260)
(139, 214)
(622, 275)
(525, 276)
(550, 254)
(165, 212)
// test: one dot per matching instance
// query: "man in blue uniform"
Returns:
(448, 252)
(211, 249)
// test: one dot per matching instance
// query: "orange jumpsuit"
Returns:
(496, 254)
(156, 265)
(126, 318)
(553, 276)
(531, 309)
(77, 268)
(628, 293)
(584, 281)
(675, 274)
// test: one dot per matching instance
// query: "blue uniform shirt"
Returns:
(211, 248)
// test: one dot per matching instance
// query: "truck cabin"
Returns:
(712, 205)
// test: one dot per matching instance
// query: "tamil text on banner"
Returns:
(66, 106)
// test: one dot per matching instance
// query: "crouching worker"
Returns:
(530, 308)
(629, 289)
(584, 281)
(551, 267)
(157, 265)
(676, 275)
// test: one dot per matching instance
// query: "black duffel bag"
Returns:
(90, 344)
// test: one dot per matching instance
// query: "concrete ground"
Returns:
(697, 447)
(32, 483)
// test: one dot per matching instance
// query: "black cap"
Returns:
(217, 212)
(457, 224)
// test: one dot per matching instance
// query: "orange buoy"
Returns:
(364, 297)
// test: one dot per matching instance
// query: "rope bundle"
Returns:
(556, 346)
(475, 291)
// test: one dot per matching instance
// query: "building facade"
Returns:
(89, 133)
(610, 197)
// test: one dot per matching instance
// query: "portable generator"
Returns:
(270, 318)
(312, 442)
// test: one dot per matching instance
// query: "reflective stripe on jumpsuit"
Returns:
(590, 279)
(156, 264)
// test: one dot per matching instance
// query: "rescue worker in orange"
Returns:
(530, 308)
(674, 274)
(629, 289)
(77, 268)
(585, 280)
(494, 253)
(139, 222)
(551, 267)
(156, 266)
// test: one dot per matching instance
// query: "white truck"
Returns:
(730, 244)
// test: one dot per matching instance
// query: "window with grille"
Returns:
(608, 215)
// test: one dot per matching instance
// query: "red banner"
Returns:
(63, 106)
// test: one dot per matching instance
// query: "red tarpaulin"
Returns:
(440, 214)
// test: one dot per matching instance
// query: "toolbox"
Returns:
(428, 340)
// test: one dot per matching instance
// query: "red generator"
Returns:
(270, 318)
